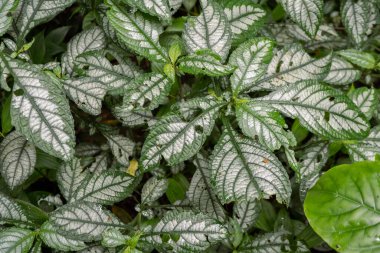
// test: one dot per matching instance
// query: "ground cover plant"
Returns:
(244, 126)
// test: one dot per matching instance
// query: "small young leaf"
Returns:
(121, 147)
(113, 237)
(247, 213)
(17, 159)
(210, 30)
(366, 100)
(359, 58)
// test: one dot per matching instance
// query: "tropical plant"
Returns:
(186, 126)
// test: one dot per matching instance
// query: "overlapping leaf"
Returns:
(148, 91)
(50, 236)
(367, 148)
(10, 211)
(87, 93)
(341, 72)
(121, 147)
(321, 109)
(210, 30)
(201, 193)
(251, 60)
(244, 170)
(153, 189)
(196, 232)
(106, 187)
(6, 6)
(35, 12)
(40, 110)
(86, 41)
(366, 100)
(159, 8)
(84, 220)
(16, 240)
(17, 159)
(176, 139)
(292, 64)
(247, 213)
(138, 32)
(260, 120)
(133, 117)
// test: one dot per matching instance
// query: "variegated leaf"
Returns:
(251, 61)
(147, 91)
(278, 242)
(261, 120)
(321, 109)
(6, 7)
(70, 176)
(87, 93)
(204, 64)
(86, 41)
(153, 189)
(312, 161)
(196, 232)
(121, 147)
(114, 76)
(292, 64)
(174, 5)
(83, 220)
(355, 18)
(177, 140)
(366, 149)
(201, 193)
(17, 159)
(139, 32)
(359, 58)
(307, 14)
(113, 237)
(40, 110)
(106, 187)
(158, 8)
(11, 212)
(210, 30)
(247, 213)
(16, 240)
(35, 12)
(100, 164)
(243, 17)
(133, 117)
(243, 170)
(50, 236)
(341, 72)
(366, 100)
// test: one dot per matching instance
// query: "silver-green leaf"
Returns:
(10, 211)
(307, 14)
(366, 100)
(121, 147)
(158, 8)
(83, 220)
(50, 236)
(247, 213)
(210, 30)
(17, 159)
(153, 189)
(106, 187)
(40, 111)
(366, 149)
(292, 64)
(139, 32)
(176, 139)
(321, 109)
(341, 72)
(6, 6)
(87, 93)
(16, 240)
(244, 170)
